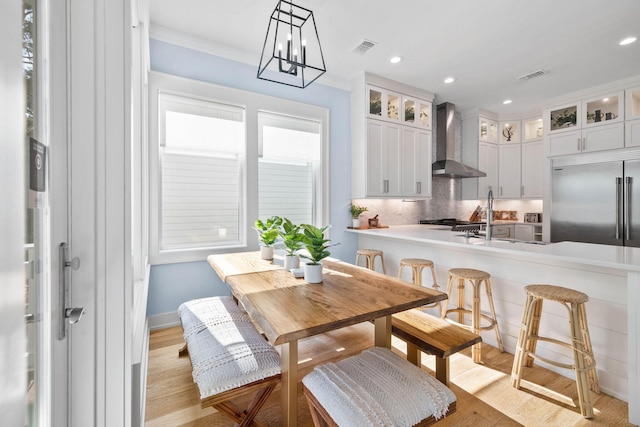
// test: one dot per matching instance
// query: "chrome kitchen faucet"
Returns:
(489, 214)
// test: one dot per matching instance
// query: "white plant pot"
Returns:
(355, 223)
(291, 261)
(266, 252)
(313, 273)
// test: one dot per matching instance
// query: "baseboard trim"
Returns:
(163, 321)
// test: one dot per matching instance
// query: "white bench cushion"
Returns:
(377, 388)
(226, 350)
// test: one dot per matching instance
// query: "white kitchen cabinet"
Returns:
(390, 139)
(487, 163)
(632, 97)
(532, 171)
(383, 159)
(508, 172)
(416, 157)
(563, 118)
(532, 129)
(632, 137)
(600, 110)
(503, 231)
(416, 112)
(487, 130)
(509, 132)
(528, 232)
(383, 104)
(591, 139)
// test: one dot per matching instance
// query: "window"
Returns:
(289, 167)
(220, 158)
(201, 153)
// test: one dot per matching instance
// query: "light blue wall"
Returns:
(172, 284)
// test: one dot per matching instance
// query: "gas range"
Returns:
(455, 224)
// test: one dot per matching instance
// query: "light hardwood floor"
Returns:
(485, 396)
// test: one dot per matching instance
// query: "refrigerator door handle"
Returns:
(627, 204)
(618, 200)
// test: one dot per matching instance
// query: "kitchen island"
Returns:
(610, 275)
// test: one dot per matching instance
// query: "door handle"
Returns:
(627, 206)
(418, 187)
(618, 200)
(578, 148)
(73, 314)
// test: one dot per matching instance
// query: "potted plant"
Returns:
(317, 244)
(355, 213)
(293, 241)
(268, 233)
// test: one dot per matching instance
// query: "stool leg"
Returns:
(384, 270)
(417, 276)
(357, 259)
(487, 283)
(400, 271)
(369, 262)
(523, 337)
(534, 327)
(582, 380)
(461, 301)
(436, 287)
(593, 376)
(445, 303)
(476, 350)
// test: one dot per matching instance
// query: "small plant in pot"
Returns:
(268, 234)
(317, 244)
(355, 214)
(293, 241)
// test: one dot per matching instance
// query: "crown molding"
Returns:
(189, 41)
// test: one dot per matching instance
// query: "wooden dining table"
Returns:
(288, 309)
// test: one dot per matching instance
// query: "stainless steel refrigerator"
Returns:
(596, 203)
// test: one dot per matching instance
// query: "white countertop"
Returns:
(618, 257)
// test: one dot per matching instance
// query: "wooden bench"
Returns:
(229, 357)
(424, 332)
(376, 387)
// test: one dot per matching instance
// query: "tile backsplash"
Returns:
(445, 203)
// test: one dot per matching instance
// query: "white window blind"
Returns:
(201, 147)
(289, 167)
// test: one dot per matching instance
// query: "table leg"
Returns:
(383, 332)
(289, 384)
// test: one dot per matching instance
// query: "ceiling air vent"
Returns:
(531, 75)
(363, 47)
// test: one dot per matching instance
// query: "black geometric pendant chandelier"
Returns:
(291, 54)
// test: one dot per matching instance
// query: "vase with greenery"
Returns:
(293, 240)
(355, 214)
(267, 234)
(317, 245)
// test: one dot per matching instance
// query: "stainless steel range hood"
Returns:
(445, 165)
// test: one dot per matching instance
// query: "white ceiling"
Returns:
(486, 44)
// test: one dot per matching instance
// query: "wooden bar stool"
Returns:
(584, 364)
(476, 278)
(370, 257)
(417, 265)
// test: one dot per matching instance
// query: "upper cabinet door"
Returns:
(532, 129)
(510, 132)
(383, 104)
(601, 110)
(488, 130)
(416, 112)
(633, 103)
(564, 118)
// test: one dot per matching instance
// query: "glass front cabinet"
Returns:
(488, 130)
(603, 110)
(532, 129)
(383, 104)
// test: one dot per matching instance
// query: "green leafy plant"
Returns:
(357, 210)
(292, 238)
(316, 243)
(268, 230)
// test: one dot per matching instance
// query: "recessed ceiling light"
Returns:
(449, 80)
(396, 59)
(605, 100)
(627, 41)
(507, 101)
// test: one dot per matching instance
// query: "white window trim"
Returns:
(252, 102)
